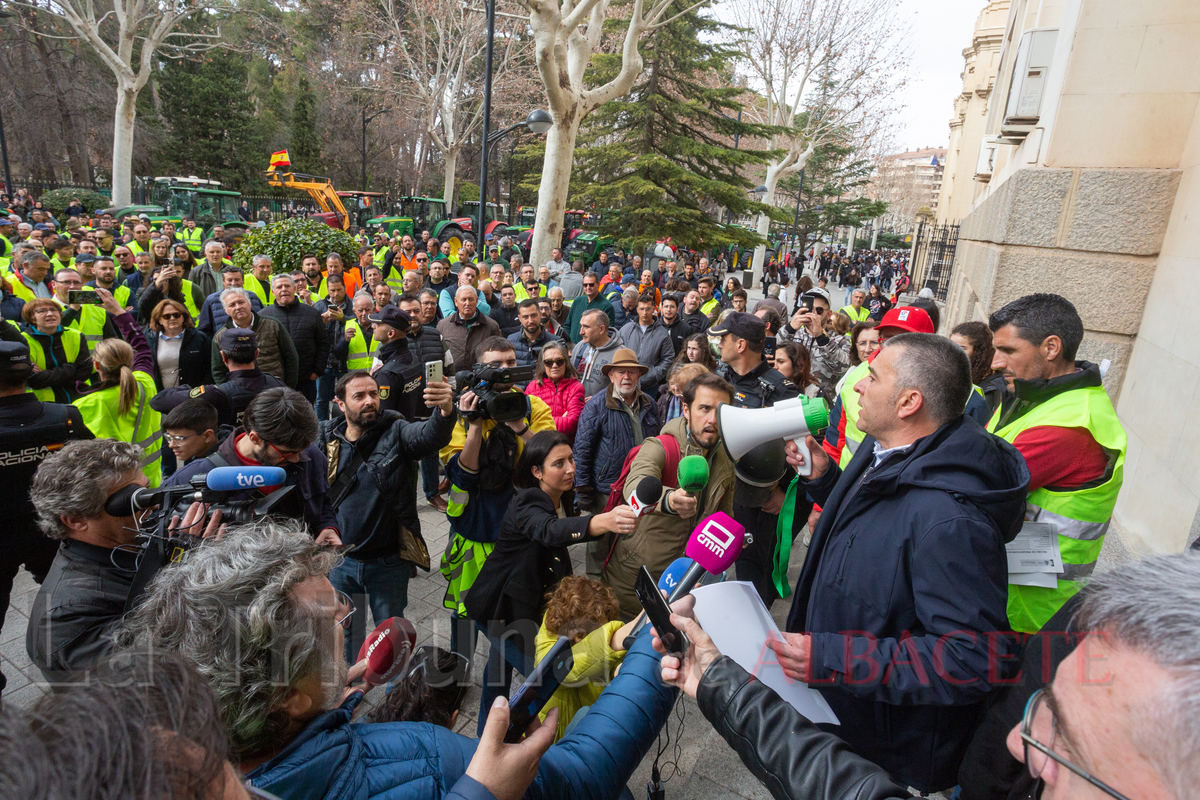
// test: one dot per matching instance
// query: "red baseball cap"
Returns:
(907, 318)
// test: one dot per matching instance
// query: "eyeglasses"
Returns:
(174, 438)
(555, 362)
(424, 662)
(173, 315)
(344, 602)
(293, 455)
(1037, 755)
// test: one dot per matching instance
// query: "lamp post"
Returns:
(487, 120)
(537, 121)
(365, 120)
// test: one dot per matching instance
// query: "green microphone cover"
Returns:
(693, 474)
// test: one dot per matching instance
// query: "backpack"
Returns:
(670, 474)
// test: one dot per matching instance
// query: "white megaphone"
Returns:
(743, 429)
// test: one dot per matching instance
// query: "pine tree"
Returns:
(213, 129)
(660, 161)
(305, 148)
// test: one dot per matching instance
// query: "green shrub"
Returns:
(287, 240)
(57, 201)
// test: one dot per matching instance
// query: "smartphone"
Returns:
(769, 345)
(659, 613)
(83, 297)
(807, 302)
(537, 690)
(433, 372)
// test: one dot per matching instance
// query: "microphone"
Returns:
(713, 547)
(236, 479)
(679, 567)
(646, 496)
(387, 649)
(693, 474)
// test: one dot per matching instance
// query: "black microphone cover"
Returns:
(649, 489)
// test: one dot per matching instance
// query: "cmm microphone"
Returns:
(713, 547)
(131, 498)
(646, 496)
(387, 649)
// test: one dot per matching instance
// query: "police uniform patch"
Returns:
(384, 392)
(199, 390)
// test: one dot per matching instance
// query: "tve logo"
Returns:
(716, 537)
(251, 481)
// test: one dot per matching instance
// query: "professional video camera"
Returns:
(501, 406)
(160, 545)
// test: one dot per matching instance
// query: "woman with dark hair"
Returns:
(509, 595)
(432, 690)
(975, 338)
(794, 362)
(184, 259)
(161, 248)
(877, 302)
(182, 352)
(557, 382)
(803, 287)
(696, 351)
(732, 284)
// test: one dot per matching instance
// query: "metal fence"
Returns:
(933, 258)
(38, 187)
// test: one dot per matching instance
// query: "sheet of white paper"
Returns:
(1046, 580)
(1035, 549)
(734, 616)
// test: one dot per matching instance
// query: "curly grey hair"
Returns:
(1152, 606)
(75, 481)
(230, 610)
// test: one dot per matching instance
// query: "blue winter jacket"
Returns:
(605, 437)
(336, 759)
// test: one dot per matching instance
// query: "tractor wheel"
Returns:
(456, 236)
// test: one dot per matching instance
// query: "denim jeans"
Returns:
(429, 476)
(503, 656)
(382, 582)
(325, 385)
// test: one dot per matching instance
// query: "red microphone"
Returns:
(387, 649)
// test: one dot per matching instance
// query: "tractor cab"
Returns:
(363, 206)
(173, 198)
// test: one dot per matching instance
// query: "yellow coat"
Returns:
(595, 665)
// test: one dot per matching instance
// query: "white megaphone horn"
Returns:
(743, 429)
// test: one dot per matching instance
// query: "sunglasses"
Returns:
(175, 315)
(555, 362)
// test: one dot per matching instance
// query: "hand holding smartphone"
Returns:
(538, 688)
(659, 613)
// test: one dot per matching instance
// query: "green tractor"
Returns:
(172, 199)
(526, 215)
(411, 215)
(581, 241)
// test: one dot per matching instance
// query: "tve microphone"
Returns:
(679, 567)
(387, 649)
(693, 474)
(714, 546)
(239, 479)
(646, 496)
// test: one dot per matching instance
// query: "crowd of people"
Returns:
(528, 403)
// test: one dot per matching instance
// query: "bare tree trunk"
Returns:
(552, 192)
(122, 161)
(450, 161)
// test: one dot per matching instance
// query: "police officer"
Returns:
(756, 385)
(29, 431)
(400, 376)
(239, 352)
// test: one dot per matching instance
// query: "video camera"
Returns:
(501, 406)
(159, 545)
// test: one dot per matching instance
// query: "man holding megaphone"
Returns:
(694, 478)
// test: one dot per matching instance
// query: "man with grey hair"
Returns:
(84, 594)
(908, 554)
(256, 614)
(276, 353)
(772, 301)
(306, 328)
(557, 264)
(258, 280)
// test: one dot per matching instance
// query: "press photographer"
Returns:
(479, 462)
(279, 429)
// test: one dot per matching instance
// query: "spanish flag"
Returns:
(280, 159)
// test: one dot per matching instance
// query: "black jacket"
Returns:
(335, 331)
(230, 398)
(907, 557)
(697, 319)
(307, 329)
(30, 430)
(151, 296)
(530, 558)
(807, 762)
(680, 330)
(506, 318)
(195, 358)
(78, 607)
(382, 497)
(401, 381)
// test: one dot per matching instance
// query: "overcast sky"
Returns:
(941, 30)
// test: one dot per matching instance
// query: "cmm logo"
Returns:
(716, 537)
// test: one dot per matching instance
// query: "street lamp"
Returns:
(365, 120)
(537, 121)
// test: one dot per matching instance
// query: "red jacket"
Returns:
(565, 399)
